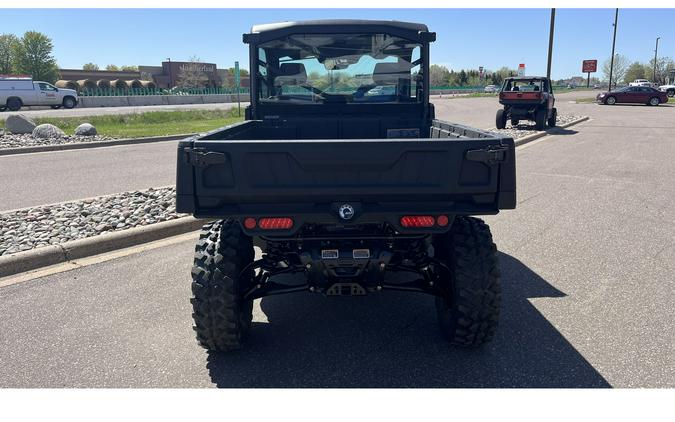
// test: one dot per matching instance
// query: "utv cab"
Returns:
(527, 98)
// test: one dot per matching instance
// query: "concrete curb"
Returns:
(529, 138)
(95, 144)
(81, 248)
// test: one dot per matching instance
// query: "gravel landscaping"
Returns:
(11, 140)
(527, 128)
(53, 224)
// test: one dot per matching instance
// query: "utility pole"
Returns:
(611, 63)
(169, 60)
(656, 50)
(550, 44)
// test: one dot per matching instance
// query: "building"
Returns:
(169, 74)
(166, 76)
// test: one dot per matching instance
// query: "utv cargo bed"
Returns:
(240, 171)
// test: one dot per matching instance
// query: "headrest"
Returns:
(291, 74)
(536, 88)
(390, 73)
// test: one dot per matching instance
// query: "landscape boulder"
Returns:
(18, 123)
(85, 129)
(47, 131)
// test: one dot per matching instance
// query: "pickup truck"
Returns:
(349, 193)
(641, 82)
(668, 89)
(21, 91)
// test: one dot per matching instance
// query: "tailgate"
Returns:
(235, 178)
(519, 96)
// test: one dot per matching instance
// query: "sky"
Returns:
(466, 38)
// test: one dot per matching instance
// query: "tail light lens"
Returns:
(417, 221)
(275, 223)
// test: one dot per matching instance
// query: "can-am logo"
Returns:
(346, 211)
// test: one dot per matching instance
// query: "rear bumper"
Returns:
(364, 213)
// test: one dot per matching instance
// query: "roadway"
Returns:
(587, 261)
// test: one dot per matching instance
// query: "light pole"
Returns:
(550, 44)
(611, 62)
(656, 50)
(168, 59)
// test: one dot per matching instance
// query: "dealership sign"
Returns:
(589, 66)
(521, 69)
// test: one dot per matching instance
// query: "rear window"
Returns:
(526, 85)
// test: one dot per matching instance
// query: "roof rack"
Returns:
(16, 76)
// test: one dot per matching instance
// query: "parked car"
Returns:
(388, 189)
(668, 89)
(633, 94)
(20, 91)
(527, 98)
(596, 86)
(490, 89)
(383, 90)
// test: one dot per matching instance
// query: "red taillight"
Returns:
(417, 221)
(442, 220)
(275, 223)
(250, 223)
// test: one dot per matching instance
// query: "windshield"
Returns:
(320, 68)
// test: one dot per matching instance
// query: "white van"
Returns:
(20, 91)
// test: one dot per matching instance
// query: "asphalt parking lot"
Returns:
(587, 264)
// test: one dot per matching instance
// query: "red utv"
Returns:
(527, 98)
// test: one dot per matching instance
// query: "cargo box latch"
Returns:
(489, 156)
(202, 158)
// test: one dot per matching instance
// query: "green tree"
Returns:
(463, 78)
(635, 71)
(663, 66)
(33, 55)
(112, 68)
(129, 68)
(620, 68)
(7, 45)
(438, 75)
(90, 66)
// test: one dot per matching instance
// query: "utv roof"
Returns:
(410, 26)
(408, 30)
(525, 78)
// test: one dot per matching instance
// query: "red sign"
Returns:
(521, 69)
(589, 66)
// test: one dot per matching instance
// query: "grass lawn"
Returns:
(152, 123)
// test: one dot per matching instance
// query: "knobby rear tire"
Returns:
(222, 319)
(540, 120)
(552, 121)
(469, 315)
